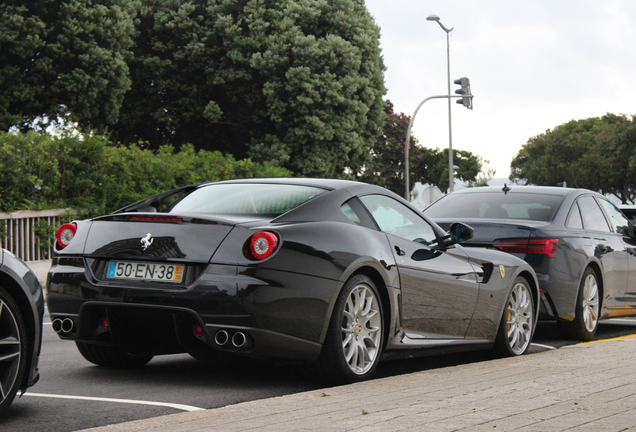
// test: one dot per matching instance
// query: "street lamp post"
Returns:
(451, 182)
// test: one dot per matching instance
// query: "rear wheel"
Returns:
(585, 322)
(13, 348)
(111, 356)
(353, 345)
(517, 322)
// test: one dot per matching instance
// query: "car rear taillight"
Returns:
(547, 247)
(262, 245)
(65, 234)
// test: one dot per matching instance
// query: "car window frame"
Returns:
(567, 218)
(585, 228)
(609, 217)
(436, 243)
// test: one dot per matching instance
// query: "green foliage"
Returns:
(297, 83)
(90, 174)
(597, 153)
(61, 57)
(386, 168)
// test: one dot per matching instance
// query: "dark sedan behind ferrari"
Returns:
(580, 245)
(333, 272)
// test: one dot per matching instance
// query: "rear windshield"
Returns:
(496, 205)
(246, 199)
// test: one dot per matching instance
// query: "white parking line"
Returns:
(127, 401)
(543, 346)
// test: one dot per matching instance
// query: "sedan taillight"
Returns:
(262, 245)
(547, 247)
(65, 234)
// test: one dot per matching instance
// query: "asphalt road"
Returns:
(73, 394)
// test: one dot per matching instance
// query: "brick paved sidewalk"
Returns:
(585, 387)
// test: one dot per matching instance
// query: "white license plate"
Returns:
(145, 271)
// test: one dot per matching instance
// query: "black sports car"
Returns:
(334, 272)
(21, 311)
(582, 248)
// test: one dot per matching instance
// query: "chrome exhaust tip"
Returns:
(221, 337)
(67, 325)
(239, 339)
(57, 325)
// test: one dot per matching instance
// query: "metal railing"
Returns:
(17, 233)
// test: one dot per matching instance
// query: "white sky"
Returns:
(533, 65)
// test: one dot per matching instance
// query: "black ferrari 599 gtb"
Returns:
(337, 273)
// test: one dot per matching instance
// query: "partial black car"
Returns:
(21, 311)
(336, 273)
(582, 248)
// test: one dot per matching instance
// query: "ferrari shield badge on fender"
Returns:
(502, 271)
(146, 241)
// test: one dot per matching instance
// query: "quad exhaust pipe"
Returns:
(63, 325)
(238, 339)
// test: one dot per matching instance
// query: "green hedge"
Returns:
(40, 171)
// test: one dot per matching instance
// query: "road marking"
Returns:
(605, 340)
(127, 401)
(543, 346)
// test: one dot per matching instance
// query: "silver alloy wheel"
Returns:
(361, 329)
(590, 303)
(10, 350)
(519, 318)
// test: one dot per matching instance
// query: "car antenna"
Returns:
(506, 189)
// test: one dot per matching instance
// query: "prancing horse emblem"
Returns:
(146, 241)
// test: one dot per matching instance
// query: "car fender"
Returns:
(18, 279)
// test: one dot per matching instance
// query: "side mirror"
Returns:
(460, 232)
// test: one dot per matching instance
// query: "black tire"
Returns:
(111, 356)
(587, 312)
(517, 321)
(354, 340)
(13, 350)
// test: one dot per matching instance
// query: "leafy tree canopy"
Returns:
(597, 153)
(295, 82)
(386, 168)
(64, 57)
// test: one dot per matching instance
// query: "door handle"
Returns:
(399, 251)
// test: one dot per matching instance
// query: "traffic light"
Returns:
(467, 99)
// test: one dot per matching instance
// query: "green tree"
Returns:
(386, 167)
(61, 58)
(597, 153)
(295, 82)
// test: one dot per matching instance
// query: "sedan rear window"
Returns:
(246, 199)
(496, 205)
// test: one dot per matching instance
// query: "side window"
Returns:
(574, 218)
(617, 219)
(395, 218)
(356, 213)
(593, 218)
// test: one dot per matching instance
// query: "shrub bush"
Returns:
(91, 174)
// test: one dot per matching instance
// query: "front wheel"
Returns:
(585, 322)
(13, 350)
(111, 356)
(353, 345)
(517, 322)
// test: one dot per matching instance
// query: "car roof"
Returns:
(318, 182)
(548, 190)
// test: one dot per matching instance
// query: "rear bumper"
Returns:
(267, 313)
